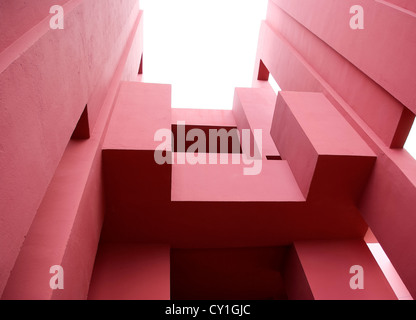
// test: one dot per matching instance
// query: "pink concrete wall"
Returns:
(405, 4)
(131, 272)
(55, 191)
(385, 115)
(148, 203)
(385, 31)
(227, 274)
(84, 57)
(321, 271)
(368, 75)
(19, 16)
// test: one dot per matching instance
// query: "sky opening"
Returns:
(205, 49)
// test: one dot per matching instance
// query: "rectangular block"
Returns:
(253, 110)
(306, 128)
(329, 270)
(203, 117)
(227, 182)
(140, 111)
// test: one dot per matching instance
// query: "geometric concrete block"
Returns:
(327, 270)
(323, 150)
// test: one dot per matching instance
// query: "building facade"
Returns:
(88, 211)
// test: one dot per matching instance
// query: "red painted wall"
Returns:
(131, 272)
(368, 76)
(20, 16)
(337, 130)
(48, 77)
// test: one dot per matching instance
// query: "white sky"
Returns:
(205, 48)
(411, 142)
